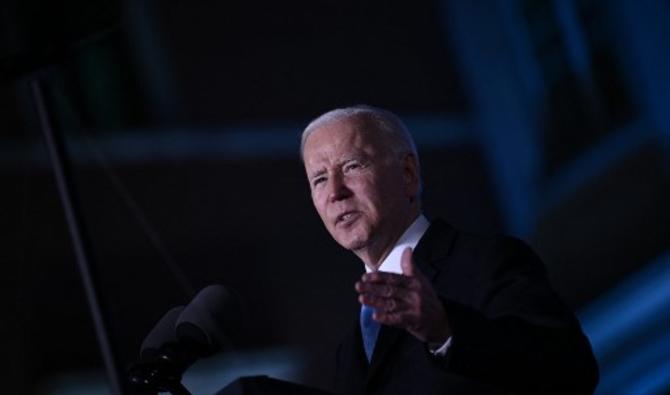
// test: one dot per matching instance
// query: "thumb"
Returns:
(407, 262)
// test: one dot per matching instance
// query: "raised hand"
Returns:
(405, 301)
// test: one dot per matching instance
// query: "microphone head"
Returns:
(162, 333)
(210, 322)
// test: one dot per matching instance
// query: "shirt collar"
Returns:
(410, 238)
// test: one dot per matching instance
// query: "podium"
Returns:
(264, 385)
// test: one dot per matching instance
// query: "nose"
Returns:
(338, 189)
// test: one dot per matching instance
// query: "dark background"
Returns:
(543, 119)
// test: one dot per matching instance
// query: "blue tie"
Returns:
(369, 330)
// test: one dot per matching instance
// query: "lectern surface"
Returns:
(264, 385)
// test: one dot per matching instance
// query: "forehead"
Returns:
(342, 137)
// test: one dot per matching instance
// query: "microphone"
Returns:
(162, 333)
(162, 359)
(205, 326)
(211, 322)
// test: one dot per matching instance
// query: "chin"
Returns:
(352, 242)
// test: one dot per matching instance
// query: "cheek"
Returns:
(374, 195)
(318, 206)
(321, 209)
(384, 200)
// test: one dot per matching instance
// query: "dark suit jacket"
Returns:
(511, 333)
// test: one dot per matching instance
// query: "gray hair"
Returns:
(400, 141)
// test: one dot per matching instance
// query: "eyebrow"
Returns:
(318, 173)
(354, 157)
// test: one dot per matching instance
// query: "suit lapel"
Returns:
(428, 254)
(388, 337)
(433, 248)
(352, 364)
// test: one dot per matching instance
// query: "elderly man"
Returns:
(443, 312)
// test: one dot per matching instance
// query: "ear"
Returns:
(411, 174)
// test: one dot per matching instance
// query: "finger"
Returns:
(382, 304)
(381, 290)
(377, 302)
(399, 283)
(407, 262)
(398, 319)
(372, 301)
(392, 279)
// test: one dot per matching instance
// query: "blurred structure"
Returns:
(543, 119)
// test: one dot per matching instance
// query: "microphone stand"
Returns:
(152, 377)
(161, 372)
(66, 189)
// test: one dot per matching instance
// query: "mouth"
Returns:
(346, 218)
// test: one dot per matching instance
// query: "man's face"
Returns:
(360, 190)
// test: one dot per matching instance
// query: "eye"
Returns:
(318, 180)
(353, 165)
